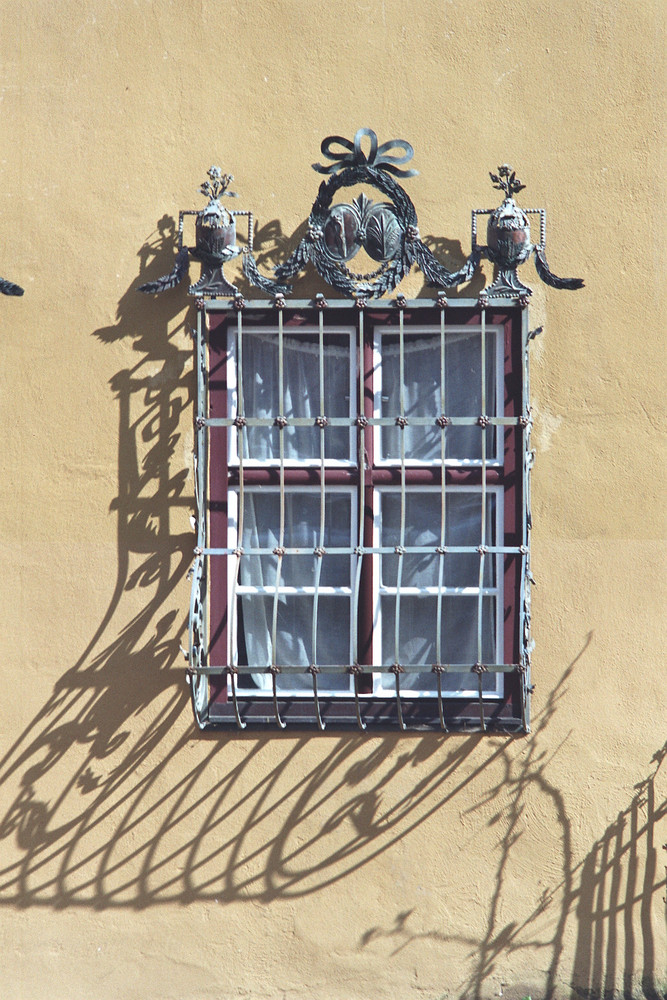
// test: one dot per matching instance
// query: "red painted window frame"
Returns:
(502, 713)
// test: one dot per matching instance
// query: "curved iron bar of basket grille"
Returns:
(355, 671)
(239, 721)
(321, 725)
(397, 671)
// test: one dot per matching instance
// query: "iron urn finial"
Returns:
(508, 240)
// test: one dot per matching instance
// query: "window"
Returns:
(362, 474)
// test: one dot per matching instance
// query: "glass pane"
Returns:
(458, 639)
(261, 530)
(294, 640)
(463, 517)
(301, 394)
(422, 396)
(464, 393)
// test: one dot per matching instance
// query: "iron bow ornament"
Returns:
(215, 245)
(386, 230)
(508, 241)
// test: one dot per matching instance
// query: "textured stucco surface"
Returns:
(139, 859)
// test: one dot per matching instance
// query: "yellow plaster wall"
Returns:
(140, 859)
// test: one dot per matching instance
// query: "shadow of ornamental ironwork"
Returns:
(613, 898)
(103, 808)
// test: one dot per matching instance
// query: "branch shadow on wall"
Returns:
(612, 897)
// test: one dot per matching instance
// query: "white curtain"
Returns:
(418, 613)
(422, 396)
(295, 611)
(301, 395)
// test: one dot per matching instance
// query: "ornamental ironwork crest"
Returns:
(385, 228)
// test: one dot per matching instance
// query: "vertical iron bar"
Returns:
(401, 426)
(361, 468)
(524, 595)
(401, 545)
(201, 413)
(359, 548)
(443, 510)
(320, 554)
(240, 447)
(480, 601)
(281, 535)
(200, 502)
(443, 517)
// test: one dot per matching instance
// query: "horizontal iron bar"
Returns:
(467, 472)
(372, 305)
(352, 421)
(386, 591)
(420, 550)
(328, 668)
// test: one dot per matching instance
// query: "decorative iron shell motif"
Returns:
(366, 224)
(383, 233)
